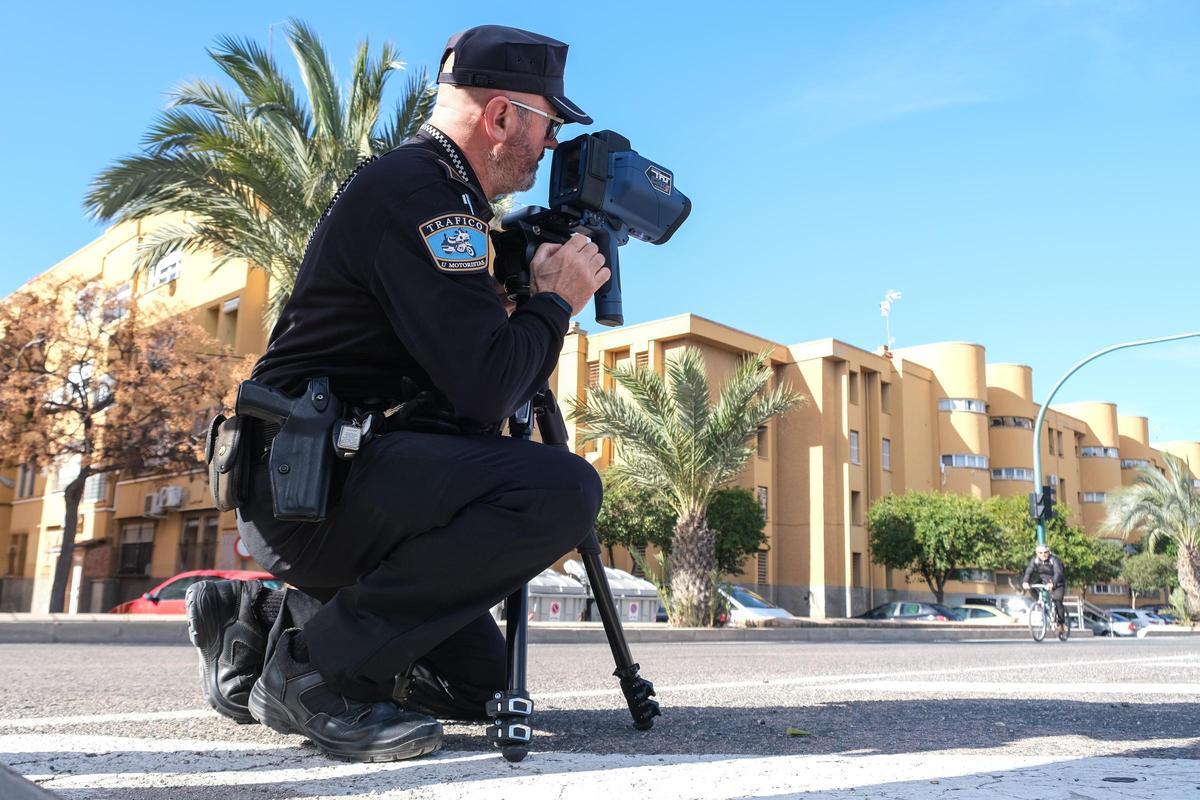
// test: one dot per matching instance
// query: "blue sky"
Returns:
(1026, 173)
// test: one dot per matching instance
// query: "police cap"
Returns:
(497, 57)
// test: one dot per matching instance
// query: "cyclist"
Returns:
(1048, 569)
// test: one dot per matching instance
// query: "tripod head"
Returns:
(602, 188)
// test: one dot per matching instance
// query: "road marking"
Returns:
(1025, 688)
(92, 719)
(1045, 767)
(818, 680)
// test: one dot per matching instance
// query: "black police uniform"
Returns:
(428, 530)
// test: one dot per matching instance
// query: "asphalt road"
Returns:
(1089, 718)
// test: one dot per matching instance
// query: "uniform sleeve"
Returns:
(431, 276)
(1028, 572)
(1060, 576)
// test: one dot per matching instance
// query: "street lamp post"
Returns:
(1037, 426)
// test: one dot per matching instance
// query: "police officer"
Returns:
(439, 518)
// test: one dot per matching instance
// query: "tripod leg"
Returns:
(637, 690)
(510, 710)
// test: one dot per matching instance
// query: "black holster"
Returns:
(302, 455)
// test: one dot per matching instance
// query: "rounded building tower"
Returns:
(1011, 412)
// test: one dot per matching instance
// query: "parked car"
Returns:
(1124, 623)
(1143, 617)
(1015, 605)
(1098, 624)
(900, 611)
(167, 597)
(982, 615)
(745, 606)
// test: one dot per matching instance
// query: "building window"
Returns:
(887, 454)
(227, 334)
(1012, 474)
(1024, 423)
(856, 508)
(26, 476)
(976, 575)
(1134, 463)
(1050, 441)
(762, 499)
(1098, 452)
(1108, 588)
(761, 577)
(962, 404)
(762, 441)
(198, 543)
(165, 271)
(854, 387)
(95, 488)
(856, 569)
(641, 360)
(853, 447)
(137, 548)
(18, 547)
(885, 397)
(1093, 497)
(965, 461)
(593, 374)
(1061, 451)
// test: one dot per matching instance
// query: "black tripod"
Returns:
(511, 709)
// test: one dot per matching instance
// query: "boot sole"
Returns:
(276, 716)
(207, 639)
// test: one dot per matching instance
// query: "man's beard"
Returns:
(514, 166)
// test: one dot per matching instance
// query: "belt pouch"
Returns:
(227, 453)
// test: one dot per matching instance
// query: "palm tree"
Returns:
(670, 439)
(252, 169)
(1164, 507)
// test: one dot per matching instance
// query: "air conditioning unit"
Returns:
(171, 497)
(152, 507)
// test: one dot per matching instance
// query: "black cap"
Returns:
(496, 57)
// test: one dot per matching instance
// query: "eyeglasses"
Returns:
(555, 124)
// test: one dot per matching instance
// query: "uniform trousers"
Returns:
(430, 531)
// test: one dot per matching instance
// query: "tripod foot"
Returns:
(515, 753)
(638, 693)
(510, 728)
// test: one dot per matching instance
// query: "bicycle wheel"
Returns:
(1038, 621)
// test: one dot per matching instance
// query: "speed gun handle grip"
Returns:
(263, 402)
(609, 310)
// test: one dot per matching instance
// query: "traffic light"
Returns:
(1041, 504)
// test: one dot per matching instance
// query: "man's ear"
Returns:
(499, 119)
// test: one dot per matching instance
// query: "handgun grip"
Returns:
(263, 402)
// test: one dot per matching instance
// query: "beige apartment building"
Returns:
(935, 417)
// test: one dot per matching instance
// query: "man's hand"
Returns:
(1025, 586)
(573, 270)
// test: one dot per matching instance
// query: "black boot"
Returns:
(292, 697)
(231, 635)
(424, 691)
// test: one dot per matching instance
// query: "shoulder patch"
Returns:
(458, 242)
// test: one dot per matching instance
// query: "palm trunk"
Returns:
(1187, 563)
(692, 561)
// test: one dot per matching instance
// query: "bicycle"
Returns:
(1041, 612)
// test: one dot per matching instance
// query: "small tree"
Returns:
(931, 534)
(633, 517)
(738, 520)
(1148, 573)
(1086, 560)
(87, 382)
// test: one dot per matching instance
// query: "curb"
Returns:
(172, 629)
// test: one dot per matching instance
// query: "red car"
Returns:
(167, 597)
